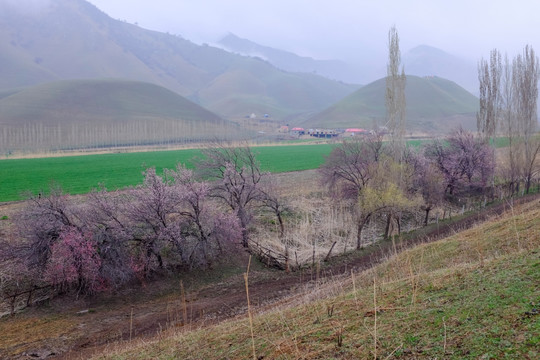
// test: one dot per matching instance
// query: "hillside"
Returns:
(473, 295)
(433, 105)
(72, 39)
(426, 60)
(79, 113)
(288, 61)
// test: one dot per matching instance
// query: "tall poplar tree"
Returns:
(395, 96)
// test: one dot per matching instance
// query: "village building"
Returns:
(323, 133)
(355, 132)
(283, 129)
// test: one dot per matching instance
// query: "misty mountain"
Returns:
(433, 104)
(429, 61)
(288, 61)
(72, 39)
(422, 60)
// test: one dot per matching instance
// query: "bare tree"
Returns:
(271, 200)
(428, 181)
(508, 125)
(395, 96)
(236, 180)
(525, 76)
(518, 98)
(348, 169)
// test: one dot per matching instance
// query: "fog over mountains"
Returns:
(53, 41)
(68, 39)
(422, 60)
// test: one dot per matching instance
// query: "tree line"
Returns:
(176, 221)
(508, 106)
(37, 137)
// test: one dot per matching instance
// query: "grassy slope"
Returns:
(81, 102)
(473, 295)
(254, 86)
(428, 100)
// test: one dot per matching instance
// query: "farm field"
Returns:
(81, 174)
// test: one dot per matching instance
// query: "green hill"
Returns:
(249, 87)
(433, 104)
(82, 113)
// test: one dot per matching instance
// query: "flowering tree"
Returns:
(105, 217)
(204, 229)
(148, 210)
(41, 223)
(466, 163)
(74, 262)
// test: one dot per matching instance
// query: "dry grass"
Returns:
(468, 296)
(316, 224)
(36, 332)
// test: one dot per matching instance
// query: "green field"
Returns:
(80, 174)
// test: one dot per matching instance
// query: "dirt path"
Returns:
(217, 302)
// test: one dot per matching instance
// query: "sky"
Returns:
(344, 29)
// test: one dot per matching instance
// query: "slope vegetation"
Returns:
(433, 104)
(473, 295)
(75, 113)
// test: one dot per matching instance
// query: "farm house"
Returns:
(298, 131)
(355, 132)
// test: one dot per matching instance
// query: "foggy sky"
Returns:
(343, 29)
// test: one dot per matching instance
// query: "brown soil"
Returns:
(108, 319)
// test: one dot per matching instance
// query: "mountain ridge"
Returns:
(289, 61)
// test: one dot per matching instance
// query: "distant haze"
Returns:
(352, 30)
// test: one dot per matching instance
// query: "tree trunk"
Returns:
(242, 216)
(388, 225)
(426, 219)
(360, 226)
(281, 225)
